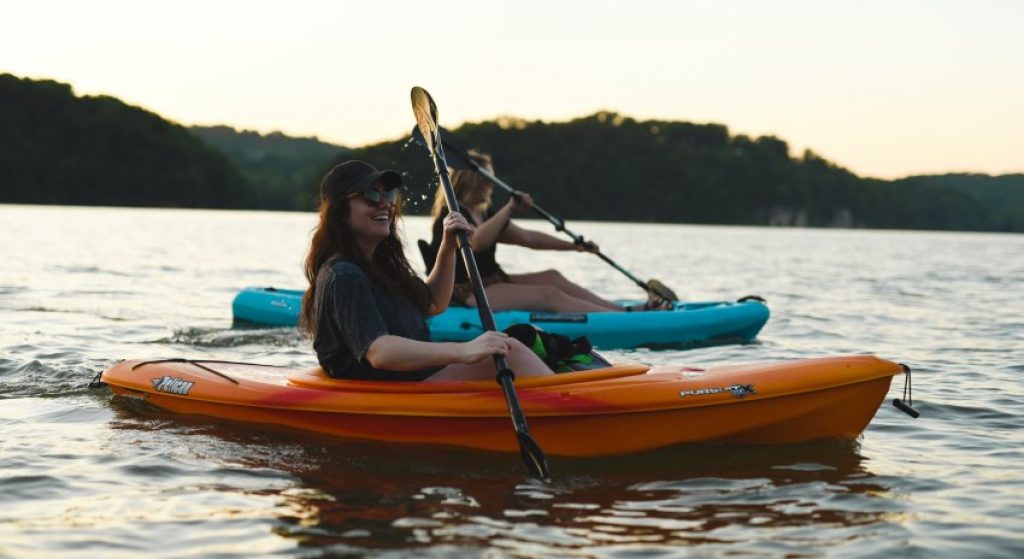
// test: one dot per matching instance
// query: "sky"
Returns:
(884, 88)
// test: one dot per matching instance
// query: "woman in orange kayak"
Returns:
(365, 307)
(548, 290)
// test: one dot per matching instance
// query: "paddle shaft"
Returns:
(557, 222)
(426, 120)
(505, 375)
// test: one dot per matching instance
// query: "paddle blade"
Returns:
(458, 157)
(533, 456)
(661, 290)
(454, 154)
(425, 111)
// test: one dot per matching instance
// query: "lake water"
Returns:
(82, 475)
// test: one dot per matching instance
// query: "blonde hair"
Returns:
(472, 189)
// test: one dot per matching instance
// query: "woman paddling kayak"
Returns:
(546, 291)
(366, 309)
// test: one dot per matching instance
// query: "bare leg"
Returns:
(547, 298)
(555, 278)
(524, 363)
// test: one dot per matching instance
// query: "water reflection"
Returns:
(345, 496)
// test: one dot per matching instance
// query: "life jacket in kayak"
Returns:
(560, 353)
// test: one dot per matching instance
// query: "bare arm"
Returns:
(395, 353)
(515, 235)
(442, 276)
(487, 233)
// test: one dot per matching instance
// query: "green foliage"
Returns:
(56, 148)
(1001, 198)
(610, 167)
(283, 171)
(62, 149)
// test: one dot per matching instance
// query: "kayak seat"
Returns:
(427, 253)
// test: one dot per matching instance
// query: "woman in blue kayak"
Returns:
(546, 291)
(365, 307)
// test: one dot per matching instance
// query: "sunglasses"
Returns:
(375, 195)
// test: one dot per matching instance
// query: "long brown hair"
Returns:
(333, 239)
(471, 187)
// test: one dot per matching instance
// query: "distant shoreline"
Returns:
(541, 224)
(98, 151)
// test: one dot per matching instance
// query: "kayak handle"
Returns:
(908, 395)
(905, 408)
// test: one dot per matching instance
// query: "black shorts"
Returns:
(461, 292)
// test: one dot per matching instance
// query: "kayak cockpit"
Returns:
(317, 378)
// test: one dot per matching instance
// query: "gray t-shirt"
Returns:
(352, 312)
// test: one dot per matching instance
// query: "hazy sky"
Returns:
(886, 88)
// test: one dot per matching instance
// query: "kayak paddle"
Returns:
(461, 160)
(426, 122)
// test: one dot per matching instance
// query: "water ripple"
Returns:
(82, 475)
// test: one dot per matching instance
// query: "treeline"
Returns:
(610, 167)
(283, 171)
(997, 203)
(56, 148)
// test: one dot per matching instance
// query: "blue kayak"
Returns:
(689, 324)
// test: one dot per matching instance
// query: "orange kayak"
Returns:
(617, 410)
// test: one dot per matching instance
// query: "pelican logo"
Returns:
(738, 391)
(172, 385)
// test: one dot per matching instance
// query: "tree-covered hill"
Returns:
(57, 148)
(610, 167)
(284, 171)
(1002, 196)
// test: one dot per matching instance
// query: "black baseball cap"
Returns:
(356, 176)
